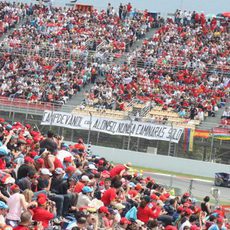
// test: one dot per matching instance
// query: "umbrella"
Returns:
(226, 14)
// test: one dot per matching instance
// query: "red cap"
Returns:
(148, 178)
(197, 209)
(101, 162)
(124, 221)
(186, 194)
(28, 160)
(188, 211)
(138, 187)
(33, 133)
(186, 204)
(220, 220)
(70, 169)
(105, 174)
(170, 227)
(42, 201)
(28, 126)
(36, 139)
(33, 154)
(41, 195)
(68, 159)
(29, 142)
(162, 198)
(14, 187)
(154, 197)
(104, 209)
(167, 195)
(180, 208)
(40, 161)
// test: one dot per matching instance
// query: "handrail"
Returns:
(223, 69)
(23, 103)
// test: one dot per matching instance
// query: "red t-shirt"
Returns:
(79, 146)
(109, 196)
(57, 163)
(133, 192)
(116, 170)
(143, 214)
(2, 163)
(40, 214)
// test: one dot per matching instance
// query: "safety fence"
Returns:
(142, 62)
(206, 149)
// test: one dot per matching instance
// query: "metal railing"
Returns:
(25, 106)
(141, 62)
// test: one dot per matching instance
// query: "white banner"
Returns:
(114, 127)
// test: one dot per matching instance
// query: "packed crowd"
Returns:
(196, 45)
(184, 67)
(68, 29)
(57, 42)
(48, 184)
(11, 14)
(190, 93)
(42, 79)
(225, 118)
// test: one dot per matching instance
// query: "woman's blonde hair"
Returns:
(28, 195)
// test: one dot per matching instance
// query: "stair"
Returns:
(212, 122)
(78, 98)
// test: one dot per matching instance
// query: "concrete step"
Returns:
(212, 122)
(78, 98)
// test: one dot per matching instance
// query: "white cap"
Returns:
(92, 167)
(9, 180)
(85, 178)
(59, 171)
(45, 171)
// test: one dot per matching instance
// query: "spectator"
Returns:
(44, 212)
(3, 212)
(16, 203)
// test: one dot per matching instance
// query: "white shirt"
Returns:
(63, 154)
(2, 220)
(83, 200)
(186, 223)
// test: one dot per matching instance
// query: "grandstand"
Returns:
(74, 70)
(113, 79)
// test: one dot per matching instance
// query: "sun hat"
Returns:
(119, 206)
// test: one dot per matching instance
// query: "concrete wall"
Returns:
(179, 165)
